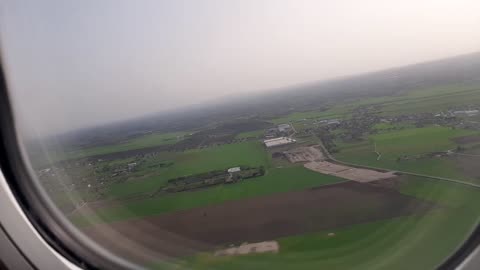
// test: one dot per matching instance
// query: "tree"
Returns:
(262, 170)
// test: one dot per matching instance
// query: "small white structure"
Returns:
(466, 112)
(284, 127)
(336, 121)
(246, 248)
(278, 141)
(233, 170)
(132, 166)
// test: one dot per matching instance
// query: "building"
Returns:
(330, 122)
(234, 169)
(333, 122)
(132, 166)
(284, 128)
(278, 141)
(271, 133)
(466, 113)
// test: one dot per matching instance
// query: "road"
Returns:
(330, 157)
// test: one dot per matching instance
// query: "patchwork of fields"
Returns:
(407, 150)
(320, 221)
(136, 143)
(275, 181)
(269, 217)
(193, 162)
(420, 241)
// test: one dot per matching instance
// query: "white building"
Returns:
(284, 127)
(132, 166)
(278, 141)
(467, 112)
(233, 170)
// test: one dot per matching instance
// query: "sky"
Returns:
(72, 64)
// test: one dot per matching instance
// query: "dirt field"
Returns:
(350, 173)
(254, 220)
(467, 139)
(313, 158)
(304, 154)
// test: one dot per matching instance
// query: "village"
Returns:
(282, 142)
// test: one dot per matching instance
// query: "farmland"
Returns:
(274, 181)
(270, 220)
(428, 244)
(405, 150)
(171, 193)
(250, 134)
(136, 143)
(196, 161)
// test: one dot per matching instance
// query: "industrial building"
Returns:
(284, 128)
(278, 141)
(466, 112)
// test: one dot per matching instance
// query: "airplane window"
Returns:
(252, 134)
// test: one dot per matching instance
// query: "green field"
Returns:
(418, 140)
(334, 113)
(409, 242)
(410, 142)
(433, 99)
(383, 127)
(414, 242)
(193, 162)
(145, 141)
(250, 134)
(274, 181)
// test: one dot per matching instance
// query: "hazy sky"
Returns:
(74, 63)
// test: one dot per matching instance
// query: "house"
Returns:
(132, 166)
(234, 170)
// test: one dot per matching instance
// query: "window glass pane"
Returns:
(253, 134)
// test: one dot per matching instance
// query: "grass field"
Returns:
(274, 181)
(385, 127)
(418, 140)
(410, 142)
(414, 242)
(433, 99)
(250, 134)
(194, 162)
(334, 113)
(410, 242)
(145, 141)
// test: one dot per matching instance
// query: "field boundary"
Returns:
(333, 159)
